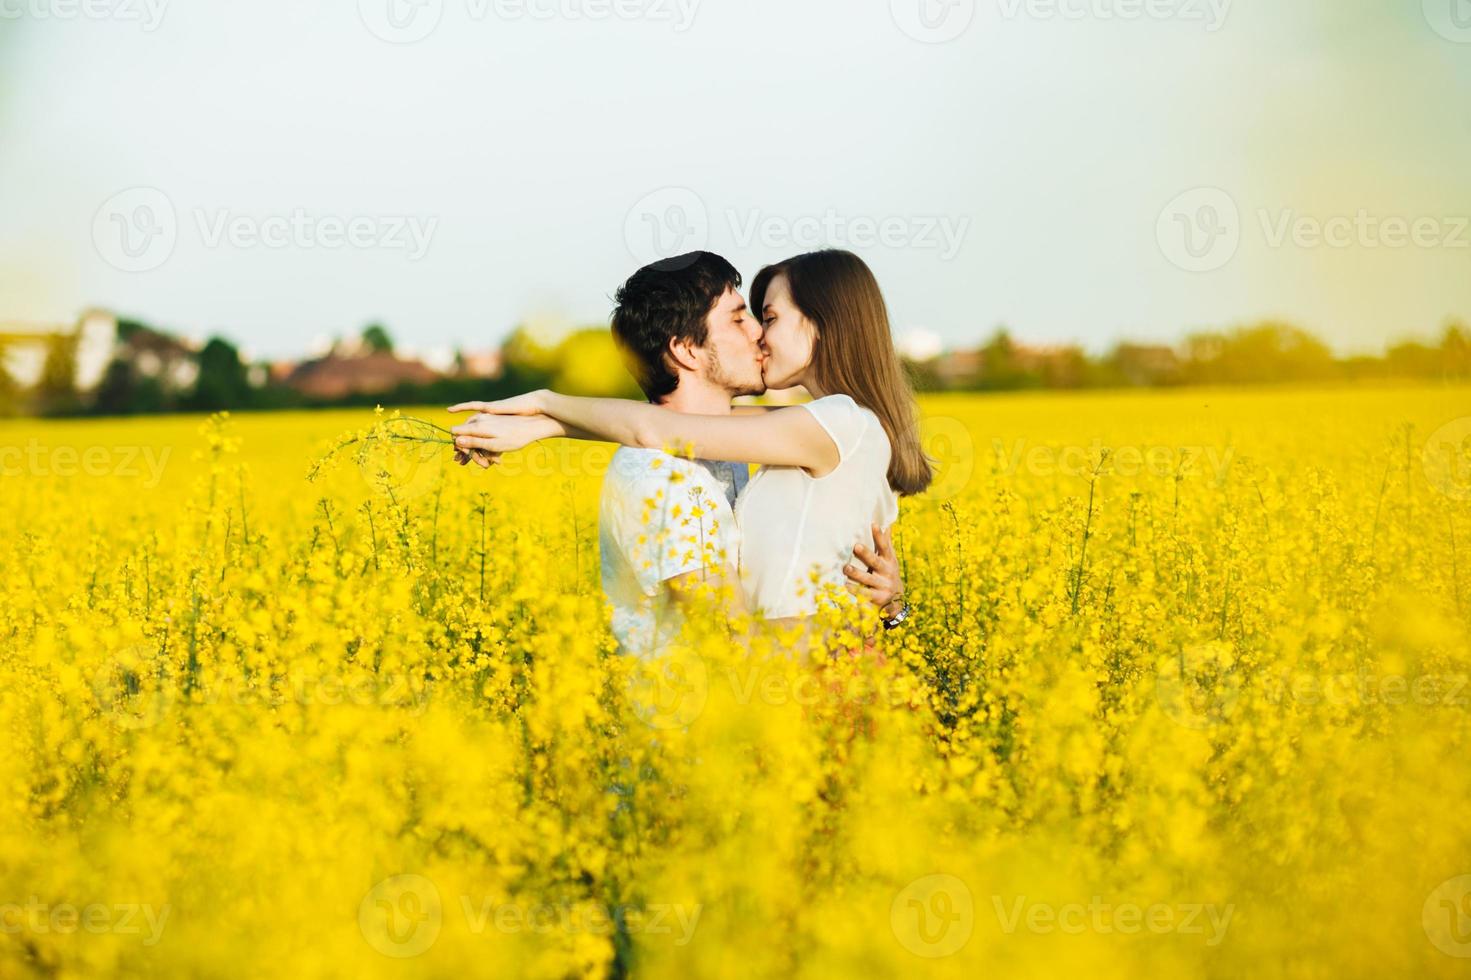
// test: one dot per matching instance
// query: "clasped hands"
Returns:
(501, 426)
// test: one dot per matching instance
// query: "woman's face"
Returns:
(789, 337)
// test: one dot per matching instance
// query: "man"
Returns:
(666, 525)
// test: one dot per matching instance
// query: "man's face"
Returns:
(733, 355)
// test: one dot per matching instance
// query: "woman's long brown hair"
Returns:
(853, 353)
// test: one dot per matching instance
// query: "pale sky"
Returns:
(1078, 170)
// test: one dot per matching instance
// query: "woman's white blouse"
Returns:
(794, 526)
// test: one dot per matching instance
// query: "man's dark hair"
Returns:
(663, 302)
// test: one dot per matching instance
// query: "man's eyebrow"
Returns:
(739, 307)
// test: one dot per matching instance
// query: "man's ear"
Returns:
(685, 354)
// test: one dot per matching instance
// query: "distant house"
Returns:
(172, 360)
(957, 368)
(1061, 366)
(1146, 364)
(479, 364)
(370, 373)
(24, 346)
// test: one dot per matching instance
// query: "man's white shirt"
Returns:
(662, 516)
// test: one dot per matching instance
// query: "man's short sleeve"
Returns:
(671, 518)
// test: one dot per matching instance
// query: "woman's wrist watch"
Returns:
(890, 622)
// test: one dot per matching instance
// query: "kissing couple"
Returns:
(780, 543)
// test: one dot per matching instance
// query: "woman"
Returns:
(831, 468)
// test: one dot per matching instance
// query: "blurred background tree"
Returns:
(222, 382)
(56, 391)
(10, 394)
(588, 362)
(377, 340)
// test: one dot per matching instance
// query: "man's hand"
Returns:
(879, 580)
(496, 434)
(479, 457)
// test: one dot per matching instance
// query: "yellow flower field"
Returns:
(1184, 693)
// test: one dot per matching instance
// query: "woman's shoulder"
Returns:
(841, 406)
(855, 428)
(839, 400)
(859, 417)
